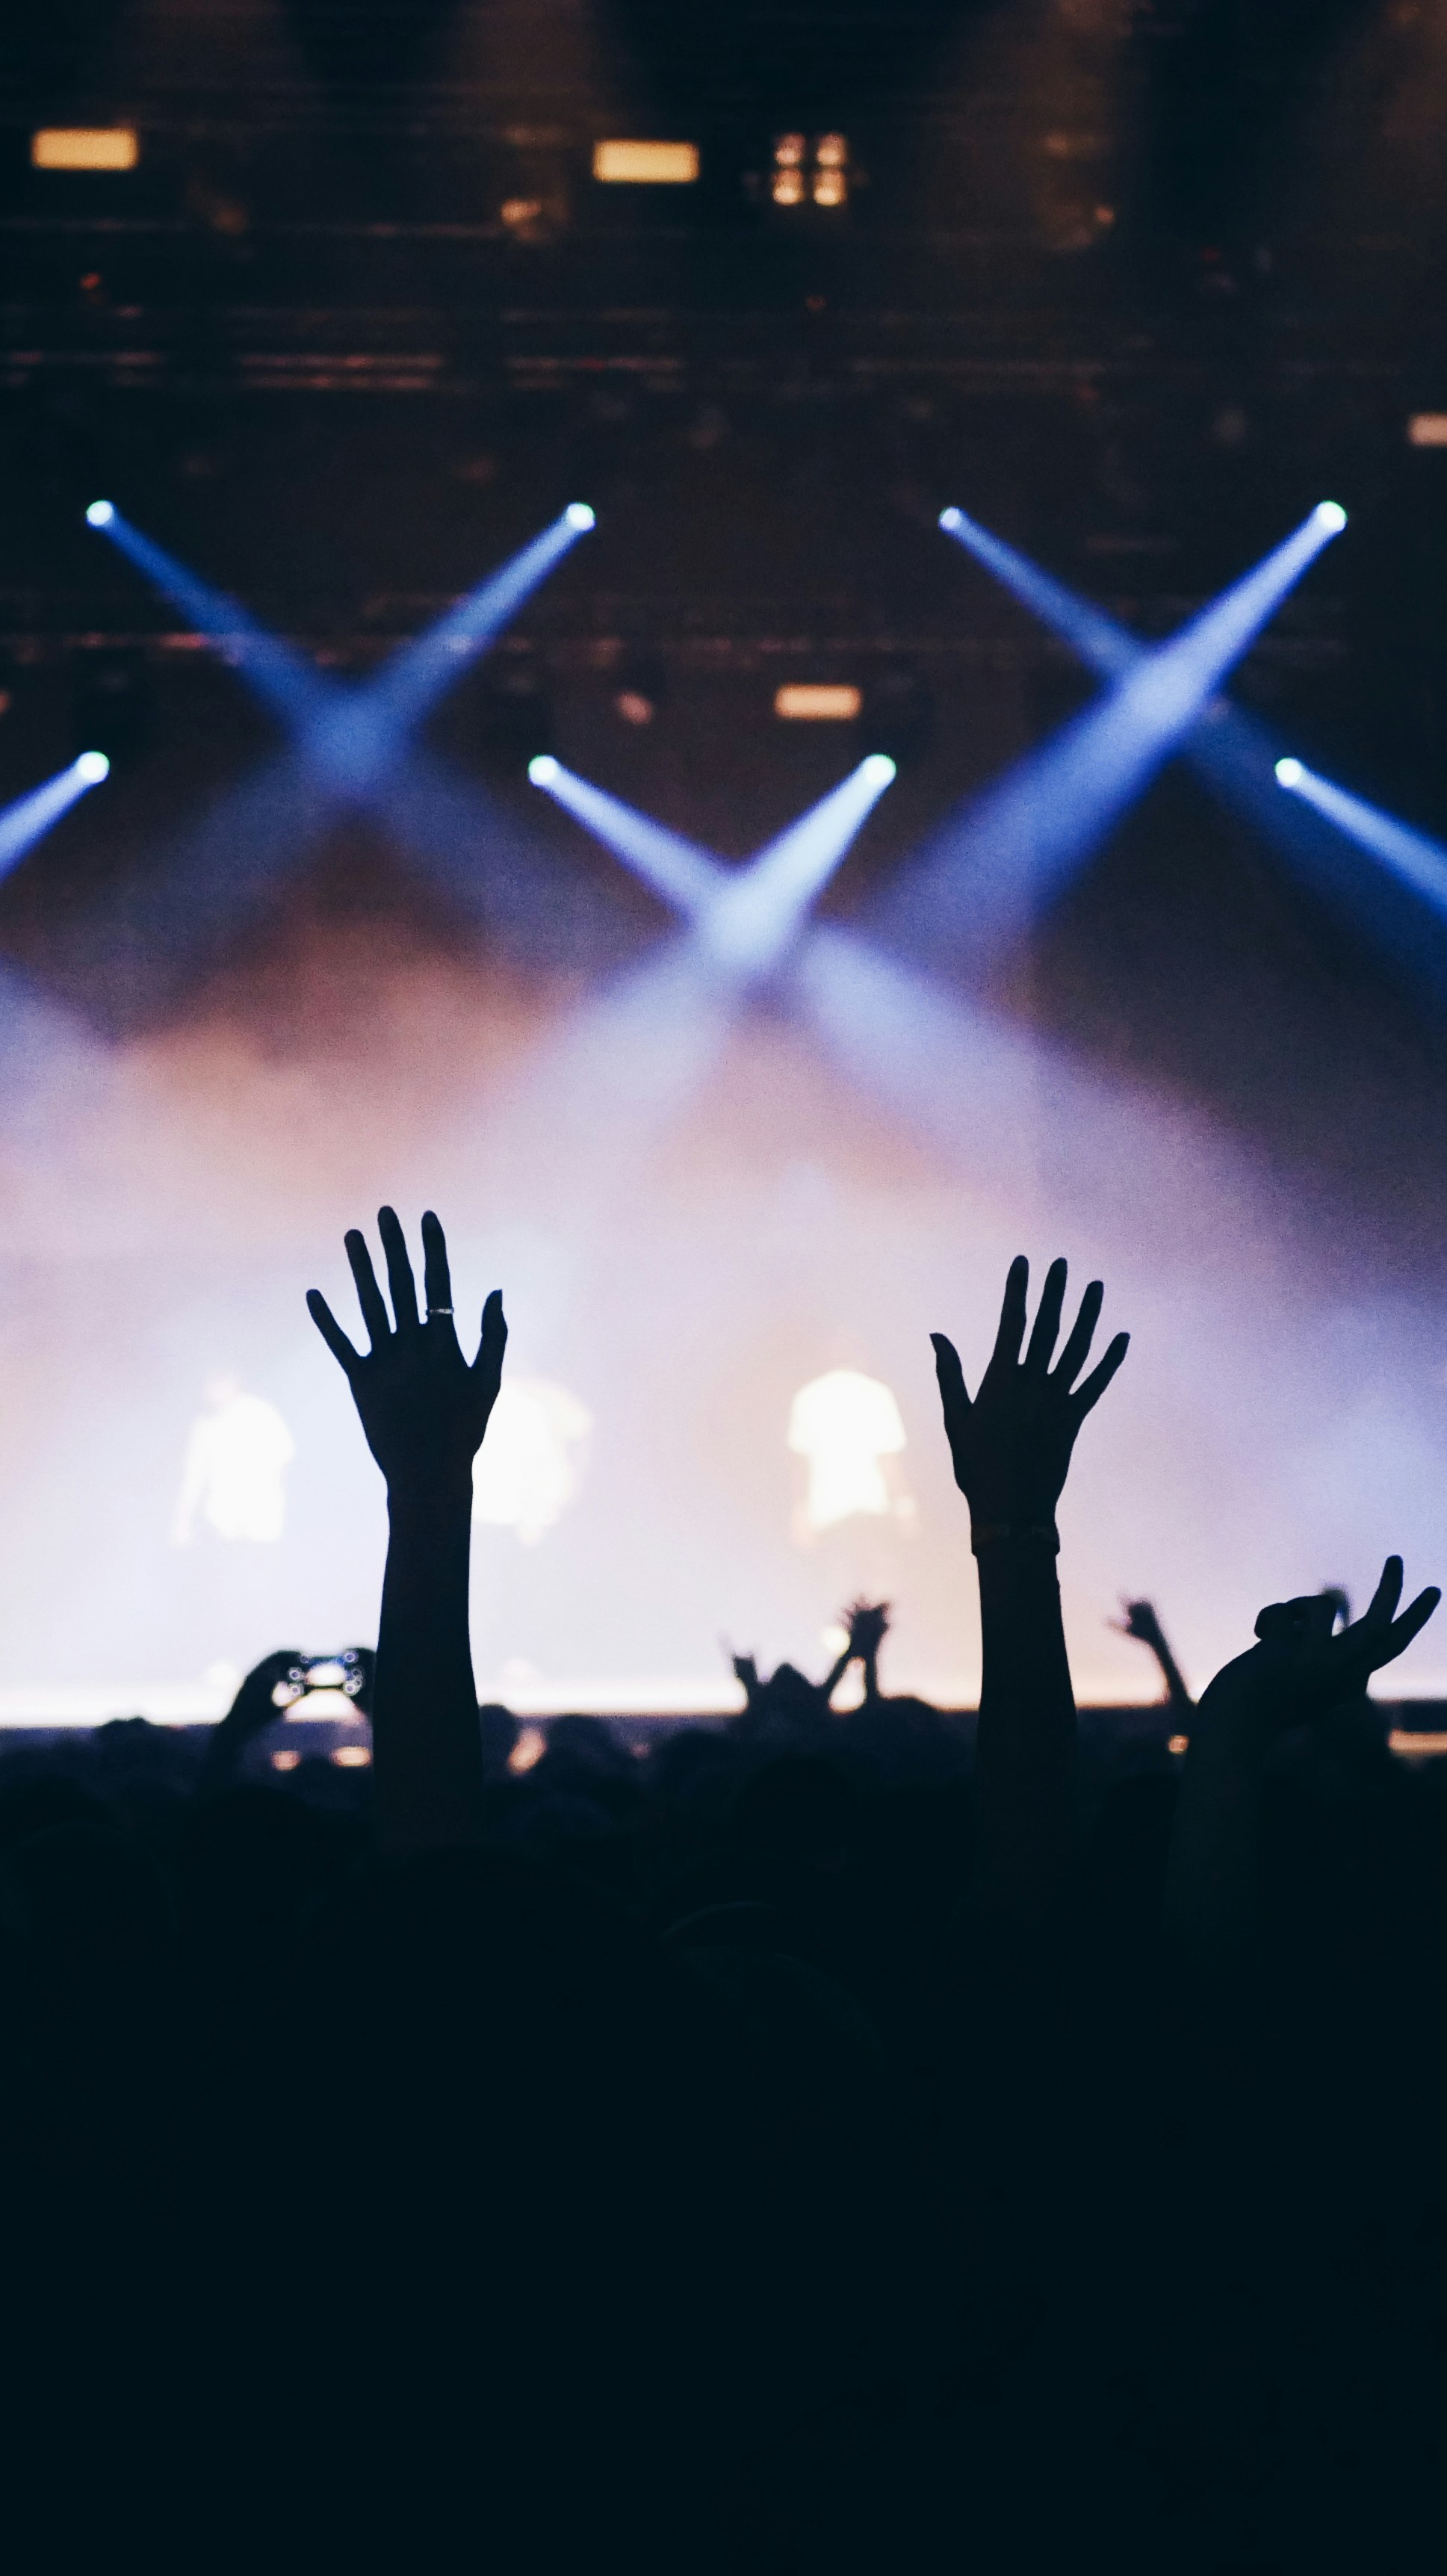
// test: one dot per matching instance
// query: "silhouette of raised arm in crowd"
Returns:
(1298, 1672)
(1011, 1446)
(424, 1409)
(1141, 1622)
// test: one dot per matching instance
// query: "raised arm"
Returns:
(1011, 1446)
(1142, 1623)
(1297, 1672)
(424, 1409)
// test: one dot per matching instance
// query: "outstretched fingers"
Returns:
(950, 1377)
(1047, 1321)
(1077, 1349)
(399, 1269)
(369, 1295)
(1378, 1633)
(1093, 1388)
(436, 1276)
(331, 1331)
(487, 1367)
(1012, 1314)
(1381, 1609)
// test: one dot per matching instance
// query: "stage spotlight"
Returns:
(31, 817)
(100, 514)
(1289, 773)
(951, 519)
(1008, 857)
(578, 515)
(544, 771)
(878, 770)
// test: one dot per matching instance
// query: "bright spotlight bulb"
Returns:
(578, 515)
(1331, 516)
(92, 766)
(100, 514)
(951, 519)
(1289, 773)
(543, 769)
(878, 769)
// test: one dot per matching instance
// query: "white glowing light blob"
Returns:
(92, 766)
(100, 514)
(578, 515)
(844, 1425)
(526, 1472)
(1289, 773)
(234, 1477)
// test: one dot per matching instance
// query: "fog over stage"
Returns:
(690, 1225)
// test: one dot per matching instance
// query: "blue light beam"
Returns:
(1416, 860)
(745, 919)
(366, 731)
(1240, 759)
(351, 735)
(31, 817)
(282, 678)
(1030, 833)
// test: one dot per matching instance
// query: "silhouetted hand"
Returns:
(1303, 1666)
(423, 1407)
(866, 1624)
(1140, 1622)
(1011, 1446)
(255, 1706)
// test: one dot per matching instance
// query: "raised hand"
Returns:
(866, 1624)
(1011, 1445)
(423, 1406)
(1304, 1665)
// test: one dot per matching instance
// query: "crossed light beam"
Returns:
(30, 817)
(347, 744)
(1011, 852)
(351, 734)
(744, 920)
(968, 1086)
(1243, 762)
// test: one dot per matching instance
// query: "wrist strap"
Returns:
(985, 1534)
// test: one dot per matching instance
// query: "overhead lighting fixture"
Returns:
(645, 165)
(817, 702)
(85, 147)
(805, 171)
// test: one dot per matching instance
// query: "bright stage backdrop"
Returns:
(721, 1264)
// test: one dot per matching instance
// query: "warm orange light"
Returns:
(817, 702)
(646, 165)
(85, 147)
(352, 1757)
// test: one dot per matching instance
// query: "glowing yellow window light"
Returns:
(817, 701)
(85, 147)
(646, 165)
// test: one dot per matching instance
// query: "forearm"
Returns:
(1211, 1897)
(427, 1749)
(1025, 1747)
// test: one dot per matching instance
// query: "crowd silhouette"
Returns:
(831, 2140)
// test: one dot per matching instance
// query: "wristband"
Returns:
(991, 1533)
